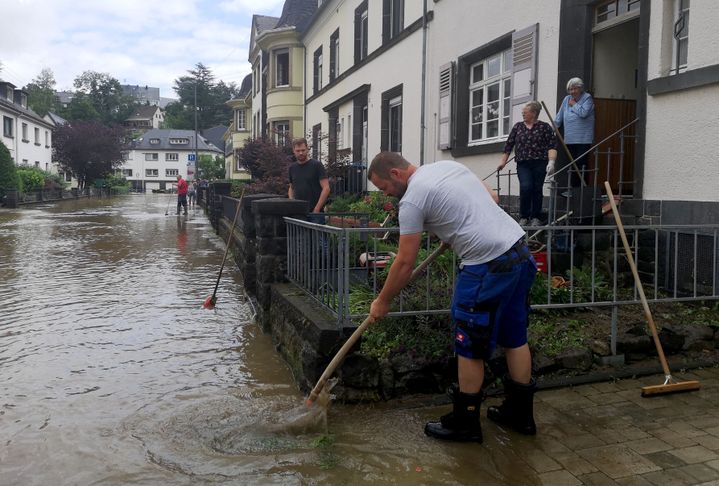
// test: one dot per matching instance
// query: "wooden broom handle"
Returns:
(633, 266)
(340, 356)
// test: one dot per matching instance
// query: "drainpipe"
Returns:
(423, 97)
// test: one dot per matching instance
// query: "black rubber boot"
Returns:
(517, 410)
(462, 423)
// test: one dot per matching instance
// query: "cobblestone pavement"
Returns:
(607, 434)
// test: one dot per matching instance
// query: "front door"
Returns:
(615, 90)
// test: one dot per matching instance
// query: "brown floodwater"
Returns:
(112, 373)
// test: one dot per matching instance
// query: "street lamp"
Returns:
(196, 155)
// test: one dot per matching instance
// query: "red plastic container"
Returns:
(541, 258)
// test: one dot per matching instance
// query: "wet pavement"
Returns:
(112, 373)
(607, 434)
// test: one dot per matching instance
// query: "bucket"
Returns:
(540, 257)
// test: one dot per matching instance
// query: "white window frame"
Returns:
(152, 157)
(241, 119)
(151, 172)
(680, 37)
(37, 136)
(154, 141)
(396, 18)
(281, 135)
(275, 54)
(172, 172)
(394, 115)
(319, 69)
(24, 133)
(502, 79)
(7, 127)
(172, 157)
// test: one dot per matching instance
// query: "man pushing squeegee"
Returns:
(489, 306)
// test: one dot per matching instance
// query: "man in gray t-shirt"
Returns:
(489, 306)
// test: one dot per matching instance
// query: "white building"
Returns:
(155, 160)
(652, 65)
(24, 132)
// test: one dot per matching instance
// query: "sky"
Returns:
(143, 42)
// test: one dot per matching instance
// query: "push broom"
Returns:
(340, 356)
(212, 299)
(669, 385)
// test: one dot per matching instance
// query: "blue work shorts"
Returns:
(491, 303)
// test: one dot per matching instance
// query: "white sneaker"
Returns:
(535, 222)
(523, 221)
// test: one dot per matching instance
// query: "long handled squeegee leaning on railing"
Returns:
(340, 356)
(669, 385)
(210, 302)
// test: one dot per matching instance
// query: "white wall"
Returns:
(399, 65)
(680, 160)
(28, 150)
(460, 26)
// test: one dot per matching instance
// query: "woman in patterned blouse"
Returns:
(534, 145)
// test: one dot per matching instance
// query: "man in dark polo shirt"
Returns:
(308, 179)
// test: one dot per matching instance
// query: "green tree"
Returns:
(211, 97)
(88, 150)
(41, 93)
(105, 94)
(8, 173)
(209, 167)
(80, 109)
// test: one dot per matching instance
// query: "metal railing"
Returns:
(567, 200)
(581, 266)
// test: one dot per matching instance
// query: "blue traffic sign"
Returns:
(191, 157)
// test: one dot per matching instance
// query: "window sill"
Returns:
(37, 144)
(692, 78)
(486, 148)
(24, 140)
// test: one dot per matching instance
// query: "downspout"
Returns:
(304, 89)
(423, 101)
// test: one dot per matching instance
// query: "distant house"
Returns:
(145, 117)
(56, 120)
(156, 159)
(277, 57)
(240, 130)
(143, 94)
(64, 97)
(25, 133)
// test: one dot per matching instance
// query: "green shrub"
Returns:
(378, 207)
(31, 178)
(9, 180)
(341, 204)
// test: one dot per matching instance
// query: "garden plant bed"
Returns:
(403, 356)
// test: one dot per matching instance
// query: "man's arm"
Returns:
(492, 192)
(325, 184)
(290, 192)
(399, 274)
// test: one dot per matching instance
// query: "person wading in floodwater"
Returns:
(181, 194)
(490, 303)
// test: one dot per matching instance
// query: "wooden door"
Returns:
(610, 116)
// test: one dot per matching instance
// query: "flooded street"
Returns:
(112, 373)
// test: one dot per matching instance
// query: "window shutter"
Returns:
(524, 69)
(446, 82)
